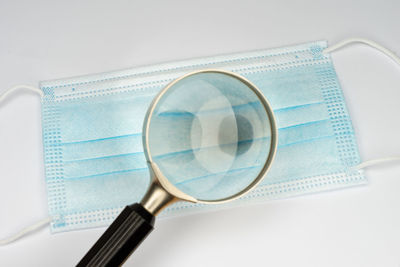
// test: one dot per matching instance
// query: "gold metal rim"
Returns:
(166, 184)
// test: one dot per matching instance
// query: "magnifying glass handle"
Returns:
(121, 238)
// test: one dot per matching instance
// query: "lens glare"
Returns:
(210, 135)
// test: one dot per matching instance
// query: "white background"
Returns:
(360, 226)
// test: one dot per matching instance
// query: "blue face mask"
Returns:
(92, 133)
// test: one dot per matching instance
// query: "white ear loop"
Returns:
(391, 55)
(25, 231)
(370, 43)
(374, 162)
(43, 222)
(18, 87)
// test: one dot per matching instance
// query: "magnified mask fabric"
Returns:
(92, 134)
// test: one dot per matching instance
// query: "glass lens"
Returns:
(210, 135)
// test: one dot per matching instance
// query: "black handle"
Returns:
(123, 236)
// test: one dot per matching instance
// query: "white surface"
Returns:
(51, 39)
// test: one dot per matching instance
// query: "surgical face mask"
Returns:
(92, 125)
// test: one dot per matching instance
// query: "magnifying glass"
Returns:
(209, 137)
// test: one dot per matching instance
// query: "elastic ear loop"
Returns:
(43, 222)
(391, 55)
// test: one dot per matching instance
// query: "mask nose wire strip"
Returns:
(43, 222)
(391, 55)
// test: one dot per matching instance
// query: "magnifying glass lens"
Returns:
(210, 135)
